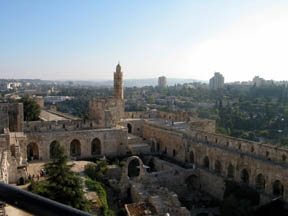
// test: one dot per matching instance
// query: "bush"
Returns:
(99, 188)
(96, 171)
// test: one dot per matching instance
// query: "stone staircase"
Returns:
(14, 140)
(137, 145)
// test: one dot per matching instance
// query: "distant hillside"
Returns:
(142, 82)
(109, 83)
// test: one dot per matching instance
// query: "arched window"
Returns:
(174, 152)
(192, 158)
(278, 188)
(245, 176)
(218, 167)
(75, 148)
(230, 173)
(96, 147)
(260, 182)
(206, 162)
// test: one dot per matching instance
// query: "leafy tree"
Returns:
(31, 109)
(62, 185)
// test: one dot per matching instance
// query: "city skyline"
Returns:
(74, 41)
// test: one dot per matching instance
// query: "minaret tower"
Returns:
(118, 84)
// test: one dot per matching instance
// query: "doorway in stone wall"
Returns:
(129, 126)
(32, 151)
(134, 168)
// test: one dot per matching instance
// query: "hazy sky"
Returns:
(84, 39)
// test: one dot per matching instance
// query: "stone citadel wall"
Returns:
(248, 161)
(110, 142)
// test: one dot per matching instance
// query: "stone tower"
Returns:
(118, 84)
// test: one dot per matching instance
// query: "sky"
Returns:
(84, 40)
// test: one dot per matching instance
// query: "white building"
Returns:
(162, 82)
(217, 81)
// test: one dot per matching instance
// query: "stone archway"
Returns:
(96, 147)
(245, 176)
(32, 151)
(218, 167)
(51, 149)
(260, 182)
(278, 188)
(129, 126)
(206, 162)
(230, 171)
(75, 148)
(134, 167)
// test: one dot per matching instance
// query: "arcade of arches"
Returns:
(259, 180)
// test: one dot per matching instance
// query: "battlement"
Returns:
(62, 125)
(177, 116)
(268, 152)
